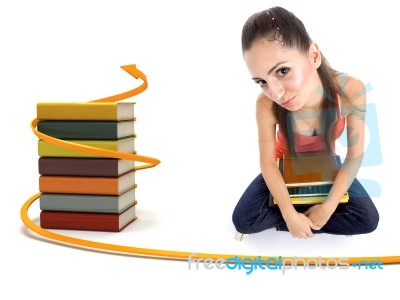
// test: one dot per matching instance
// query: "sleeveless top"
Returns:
(304, 143)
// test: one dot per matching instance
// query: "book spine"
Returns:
(87, 203)
(77, 111)
(79, 221)
(51, 150)
(85, 130)
(86, 111)
(87, 220)
(70, 166)
(79, 130)
(314, 199)
(78, 185)
(84, 185)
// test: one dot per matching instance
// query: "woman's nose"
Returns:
(276, 90)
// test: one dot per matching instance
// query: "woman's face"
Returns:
(287, 76)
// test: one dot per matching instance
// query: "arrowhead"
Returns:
(131, 69)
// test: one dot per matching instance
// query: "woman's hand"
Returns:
(300, 226)
(319, 214)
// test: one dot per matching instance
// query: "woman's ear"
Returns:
(315, 55)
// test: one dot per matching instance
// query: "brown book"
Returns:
(87, 185)
(87, 220)
(73, 166)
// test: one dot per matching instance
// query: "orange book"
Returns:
(309, 169)
(87, 185)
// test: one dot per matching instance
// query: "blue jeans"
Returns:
(253, 214)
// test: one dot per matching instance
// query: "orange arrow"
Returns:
(132, 70)
(173, 254)
(149, 161)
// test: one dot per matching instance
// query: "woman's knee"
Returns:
(365, 213)
(368, 221)
(239, 222)
(371, 223)
(242, 224)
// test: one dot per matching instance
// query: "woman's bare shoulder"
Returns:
(354, 92)
(350, 86)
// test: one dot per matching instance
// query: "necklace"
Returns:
(312, 129)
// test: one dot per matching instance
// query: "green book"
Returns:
(87, 130)
(87, 203)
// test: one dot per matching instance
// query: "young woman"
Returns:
(303, 107)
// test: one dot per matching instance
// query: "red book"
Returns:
(86, 220)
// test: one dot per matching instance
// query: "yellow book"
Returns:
(99, 111)
(314, 200)
(126, 145)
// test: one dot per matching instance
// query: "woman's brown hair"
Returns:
(293, 34)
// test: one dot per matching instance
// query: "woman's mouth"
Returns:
(287, 103)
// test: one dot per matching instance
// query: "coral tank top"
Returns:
(305, 143)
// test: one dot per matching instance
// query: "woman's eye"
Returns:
(261, 83)
(282, 72)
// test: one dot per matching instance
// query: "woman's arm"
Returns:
(353, 108)
(298, 224)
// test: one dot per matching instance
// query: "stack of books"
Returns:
(79, 190)
(309, 178)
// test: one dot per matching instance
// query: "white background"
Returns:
(197, 117)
